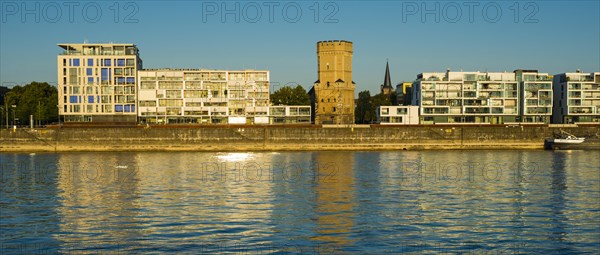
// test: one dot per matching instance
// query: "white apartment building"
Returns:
(466, 97)
(202, 96)
(97, 82)
(535, 103)
(398, 115)
(522, 96)
(285, 114)
(576, 98)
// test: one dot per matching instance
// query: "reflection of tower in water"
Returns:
(335, 202)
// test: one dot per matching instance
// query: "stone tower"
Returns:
(333, 94)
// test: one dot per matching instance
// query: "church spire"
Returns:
(387, 81)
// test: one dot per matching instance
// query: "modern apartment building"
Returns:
(535, 101)
(398, 115)
(404, 93)
(285, 114)
(203, 96)
(576, 98)
(97, 82)
(466, 97)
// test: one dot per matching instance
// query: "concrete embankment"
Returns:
(265, 138)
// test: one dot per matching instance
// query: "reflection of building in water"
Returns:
(335, 197)
(98, 200)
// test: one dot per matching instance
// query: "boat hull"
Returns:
(588, 144)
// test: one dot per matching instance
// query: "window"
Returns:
(104, 74)
(76, 62)
(118, 108)
(90, 80)
(106, 62)
(121, 62)
(73, 99)
(90, 99)
(148, 103)
(90, 62)
(130, 62)
(334, 109)
(89, 72)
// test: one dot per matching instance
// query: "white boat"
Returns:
(567, 140)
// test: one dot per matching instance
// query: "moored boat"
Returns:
(571, 142)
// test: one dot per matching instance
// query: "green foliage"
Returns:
(366, 106)
(3, 91)
(290, 96)
(39, 99)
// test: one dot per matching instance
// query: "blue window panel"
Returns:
(90, 79)
(118, 108)
(90, 62)
(90, 99)
(130, 80)
(104, 74)
(121, 62)
(76, 62)
(89, 71)
(73, 99)
(106, 62)
(127, 108)
(132, 108)
(120, 80)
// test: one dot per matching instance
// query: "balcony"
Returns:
(580, 110)
(473, 110)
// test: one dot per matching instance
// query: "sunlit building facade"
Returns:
(398, 115)
(576, 98)
(97, 82)
(466, 97)
(168, 96)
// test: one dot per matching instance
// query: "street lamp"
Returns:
(14, 108)
(1, 119)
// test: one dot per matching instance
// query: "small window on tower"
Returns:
(334, 109)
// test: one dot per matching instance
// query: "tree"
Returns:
(363, 107)
(290, 96)
(366, 106)
(38, 99)
(3, 91)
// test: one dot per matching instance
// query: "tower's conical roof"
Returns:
(387, 82)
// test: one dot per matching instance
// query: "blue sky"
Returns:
(551, 36)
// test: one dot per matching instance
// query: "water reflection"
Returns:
(301, 202)
(335, 202)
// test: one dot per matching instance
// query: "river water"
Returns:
(424, 202)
